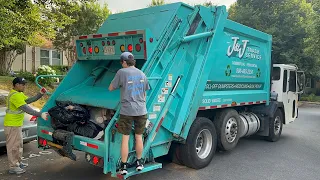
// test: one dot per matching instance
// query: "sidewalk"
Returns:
(3, 92)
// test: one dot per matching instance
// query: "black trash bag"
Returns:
(78, 112)
(63, 117)
(56, 124)
(88, 129)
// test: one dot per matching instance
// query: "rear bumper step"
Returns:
(147, 167)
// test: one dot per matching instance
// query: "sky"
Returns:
(128, 5)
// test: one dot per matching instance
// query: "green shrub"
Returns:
(311, 98)
(27, 75)
(60, 70)
(46, 70)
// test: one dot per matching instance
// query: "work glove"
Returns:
(43, 90)
(45, 115)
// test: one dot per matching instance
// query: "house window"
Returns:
(50, 57)
(56, 58)
(44, 57)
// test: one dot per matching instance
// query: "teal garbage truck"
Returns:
(212, 82)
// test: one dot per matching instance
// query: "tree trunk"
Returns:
(3, 64)
(70, 57)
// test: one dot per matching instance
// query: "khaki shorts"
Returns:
(125, 124)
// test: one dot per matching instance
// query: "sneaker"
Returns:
(139, 166)
(123, 168)
(23, 165)
(16, 170)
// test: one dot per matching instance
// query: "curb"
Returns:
(301, 103)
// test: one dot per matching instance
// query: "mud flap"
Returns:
(65, 138)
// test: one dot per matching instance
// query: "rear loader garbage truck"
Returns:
(211, 82)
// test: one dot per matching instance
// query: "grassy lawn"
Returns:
(310, 98)
(31, 90)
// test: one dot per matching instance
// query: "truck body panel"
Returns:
(195, 60)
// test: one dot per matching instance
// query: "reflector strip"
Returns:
(159, 124)
(230, 105)
(97, 36)
(89, 145)
(83, 37)
(131, 32)
(113, 34)
(46, 132)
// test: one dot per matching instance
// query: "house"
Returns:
(312, 86)
(33, 57)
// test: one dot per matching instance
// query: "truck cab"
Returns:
(285, 84)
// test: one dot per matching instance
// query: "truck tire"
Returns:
(227, 125)
(275, 126)
(200, 145)
(174, 154)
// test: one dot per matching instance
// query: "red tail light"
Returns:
(130, 48)
(33, 118)
(42, 141)
(141, 40)
(108, 42)
(103, 43)
(113, 42)
(138, 47)
(90, 50)
(95, 160)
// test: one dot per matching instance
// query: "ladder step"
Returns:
(147, 167)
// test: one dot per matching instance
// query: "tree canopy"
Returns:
(86, 19)
(291, 24)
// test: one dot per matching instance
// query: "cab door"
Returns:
(290, 94)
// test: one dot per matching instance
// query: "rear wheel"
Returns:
(227, 125)
(201, 144)
(275, 126)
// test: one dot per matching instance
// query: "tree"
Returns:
(86, 18)
(313, 40)
(156, 3)
(20, 24)
(287, 21)
(208, 4)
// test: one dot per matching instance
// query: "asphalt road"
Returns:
(296, 156)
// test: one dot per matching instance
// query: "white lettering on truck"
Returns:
(236, 47)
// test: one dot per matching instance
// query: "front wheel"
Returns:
(201, 144)
(275, 126)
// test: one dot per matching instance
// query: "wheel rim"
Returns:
(204, 143)
(277, 125)
(231, 130)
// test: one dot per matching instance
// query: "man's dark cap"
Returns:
(19, 80)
